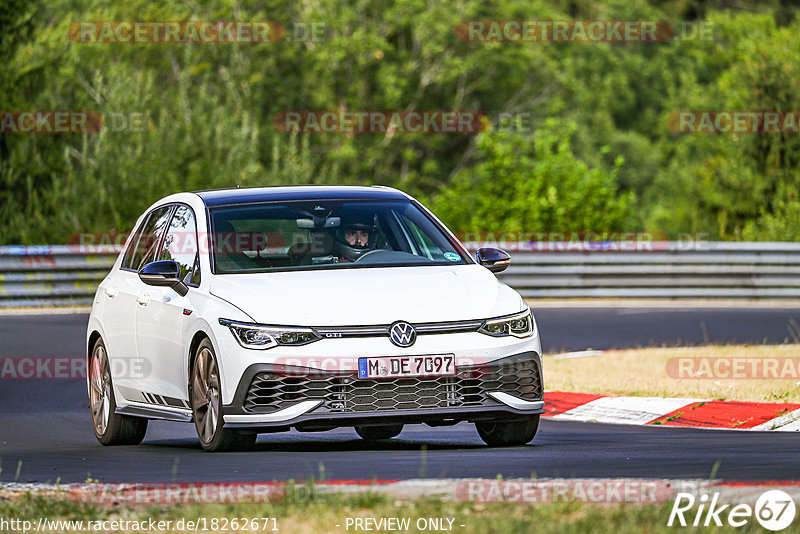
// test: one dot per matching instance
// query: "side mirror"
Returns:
(163, 273)
(494, 259)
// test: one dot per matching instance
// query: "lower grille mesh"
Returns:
(269, 392)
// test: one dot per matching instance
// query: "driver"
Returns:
(354, 238)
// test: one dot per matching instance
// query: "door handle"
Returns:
(111, 292)
(144, 300)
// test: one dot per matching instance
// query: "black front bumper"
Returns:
(346, 400)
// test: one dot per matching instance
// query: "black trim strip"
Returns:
(311, 421)
(154, 413)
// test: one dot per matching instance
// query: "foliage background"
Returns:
(595, 153)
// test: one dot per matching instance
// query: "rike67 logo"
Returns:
(774, 510)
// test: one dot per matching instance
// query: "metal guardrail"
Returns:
(661, 270)
(58, 275)
(67, 276)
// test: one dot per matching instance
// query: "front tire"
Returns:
(206, 394)
(509, 433)
(110, 428)
(374, 433)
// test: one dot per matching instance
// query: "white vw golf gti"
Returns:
(259, 310)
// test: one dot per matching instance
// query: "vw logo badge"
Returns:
(402, 334)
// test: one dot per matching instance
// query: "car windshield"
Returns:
(320, 234)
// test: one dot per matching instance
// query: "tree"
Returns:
(522, 184)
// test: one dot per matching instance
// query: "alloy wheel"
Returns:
(100, 389)
(205, 395)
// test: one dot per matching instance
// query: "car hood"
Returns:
(368, 296)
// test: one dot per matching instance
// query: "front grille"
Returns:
(269, 392)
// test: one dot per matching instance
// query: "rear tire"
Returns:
(374, 433)
(205, 393)
(506, 434)
(110, 428)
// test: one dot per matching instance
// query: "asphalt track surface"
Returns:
(45, 430)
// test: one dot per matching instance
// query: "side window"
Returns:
(128, 258)
(151, 233)
(180, 244)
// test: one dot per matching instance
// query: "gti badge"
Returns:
(402, 334)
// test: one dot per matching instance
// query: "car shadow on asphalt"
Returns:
(316, 445)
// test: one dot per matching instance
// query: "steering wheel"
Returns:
(373, 251)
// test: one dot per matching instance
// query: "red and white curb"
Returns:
(660, 411)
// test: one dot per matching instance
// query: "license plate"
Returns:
(406, 366)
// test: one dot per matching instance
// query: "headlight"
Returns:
(262, 337)
(520, 325)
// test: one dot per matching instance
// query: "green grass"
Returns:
(645, 372)
(321, 513)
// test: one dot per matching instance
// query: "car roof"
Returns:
(247, 195)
